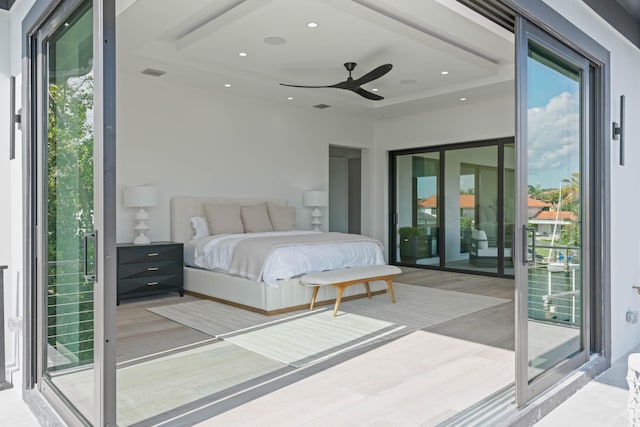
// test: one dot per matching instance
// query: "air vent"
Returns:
(321, 106)
(153, 72)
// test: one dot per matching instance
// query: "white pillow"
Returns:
(200, 227)
(481, 237)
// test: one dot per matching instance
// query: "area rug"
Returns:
(416, 307)
(309, 339)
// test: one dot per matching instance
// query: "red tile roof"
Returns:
(551, 215)
(468, 201)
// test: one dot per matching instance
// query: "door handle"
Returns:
(90, 275)
(525, 239)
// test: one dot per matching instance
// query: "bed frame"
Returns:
(289, 295)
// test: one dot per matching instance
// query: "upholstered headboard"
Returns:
(183, 208)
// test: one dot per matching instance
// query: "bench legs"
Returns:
(342, 286)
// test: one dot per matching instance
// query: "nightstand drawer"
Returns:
(149, 269)
(149, 253)
(128, 271)
(151, 283)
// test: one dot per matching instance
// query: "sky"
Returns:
(553, 126)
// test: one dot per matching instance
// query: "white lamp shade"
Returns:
(316, 198)
(140, 196)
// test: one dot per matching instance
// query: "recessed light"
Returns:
(275, 40)
(290, 98)
(227, 85)
(243, 54)
(463, 99)
(312, 24)
(444, 72)
(375, 89)
(152, 72)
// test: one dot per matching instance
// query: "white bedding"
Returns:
(215, 253)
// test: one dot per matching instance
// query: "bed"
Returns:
(253, 293)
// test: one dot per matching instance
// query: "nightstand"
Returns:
(149, 269)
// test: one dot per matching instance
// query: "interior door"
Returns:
(72, 129)
(552, 272)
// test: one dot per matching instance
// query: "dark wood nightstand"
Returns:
(149, 269)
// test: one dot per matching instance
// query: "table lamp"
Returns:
(141, 196)
(316, 199)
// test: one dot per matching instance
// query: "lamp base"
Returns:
(316, 214)
(141, 239)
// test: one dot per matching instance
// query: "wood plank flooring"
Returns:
(142, 333)
(493, 326)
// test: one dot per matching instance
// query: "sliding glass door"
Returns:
(71, 129)
(418, 207)
(453, 207)
(552, 320)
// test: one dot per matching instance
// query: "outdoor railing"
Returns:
(69, 315)
(3, 375)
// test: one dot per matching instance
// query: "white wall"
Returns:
(625, 203)
(5, 166)
(188, 140)
(11, 218)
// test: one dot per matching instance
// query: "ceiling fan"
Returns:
(354, 85)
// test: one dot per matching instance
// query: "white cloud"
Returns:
(554, 140)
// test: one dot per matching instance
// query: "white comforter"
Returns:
(215, 253)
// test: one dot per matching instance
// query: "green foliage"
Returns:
(408, 231)
(69, 214)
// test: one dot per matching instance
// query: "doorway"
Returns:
(345, 189)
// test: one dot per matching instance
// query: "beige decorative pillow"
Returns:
(255, 218)
(283, 218)
(223, 219)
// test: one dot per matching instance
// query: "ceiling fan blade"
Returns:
(283, 84)
(374, 74)
(367, 94)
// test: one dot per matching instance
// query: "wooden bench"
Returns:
(345, 277)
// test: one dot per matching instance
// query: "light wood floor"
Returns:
(142, 333)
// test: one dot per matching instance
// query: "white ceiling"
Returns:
(198, 41)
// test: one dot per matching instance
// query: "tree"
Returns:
(69, 213)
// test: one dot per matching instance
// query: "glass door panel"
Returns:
(64, 129)
(472, 208)
(509, 218)
(551, 284)
(418, 208)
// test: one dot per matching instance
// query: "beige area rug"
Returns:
(416, 307)
(309, 339)
(305, 338)
(157, 387)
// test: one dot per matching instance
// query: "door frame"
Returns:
(556, 25)
(527, 389)
(104, 212)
